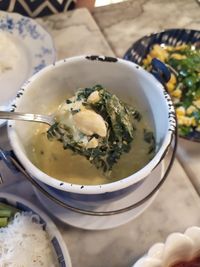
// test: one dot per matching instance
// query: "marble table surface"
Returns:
(124, 23)
(177, 204)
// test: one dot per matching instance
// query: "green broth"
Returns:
(51, 158)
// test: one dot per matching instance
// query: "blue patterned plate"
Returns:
(141, 48)
(58, 244)
(25, 48)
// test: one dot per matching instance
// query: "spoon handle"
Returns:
(26, 117)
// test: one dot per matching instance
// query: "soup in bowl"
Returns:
(73, 174)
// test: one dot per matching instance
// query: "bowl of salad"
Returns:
(180, 50)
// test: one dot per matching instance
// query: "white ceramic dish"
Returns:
(28, 49)
(58, 244)
(127, 80)
(106, 222)
(177, 248)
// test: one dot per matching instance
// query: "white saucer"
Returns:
(106, 222)
(28, 48)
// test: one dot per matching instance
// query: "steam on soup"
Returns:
(104, 140)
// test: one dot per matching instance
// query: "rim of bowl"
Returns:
(102, 188)
(152, 34)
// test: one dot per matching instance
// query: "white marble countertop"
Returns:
(177, 205)
(122, 24)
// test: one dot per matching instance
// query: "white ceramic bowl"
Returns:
(34, 48)
(55, 237)
(126, 79)
(177, 248)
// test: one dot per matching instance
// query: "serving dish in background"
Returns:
(28, 47)
(58, 244)
(178, 250)
(171, 37)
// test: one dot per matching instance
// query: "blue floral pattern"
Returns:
(38, 41)
(24, 27)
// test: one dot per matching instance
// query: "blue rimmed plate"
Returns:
(25, 48)
(172, 37)
(57, 242)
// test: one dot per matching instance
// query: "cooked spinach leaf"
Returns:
(119, 119)
(150, 139)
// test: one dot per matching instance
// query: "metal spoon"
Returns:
(48, 119)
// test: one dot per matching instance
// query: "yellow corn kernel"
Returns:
(159, 52)
(193, 121)
(173, 79)
(177, 93)
(178, 56)
(187, 121)
(169, 48)
(181, 47)
(197, 103)
(147, 60)
(170, 87)
(180, 111)
(190, 109)
(171, 84)
(180, 119)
